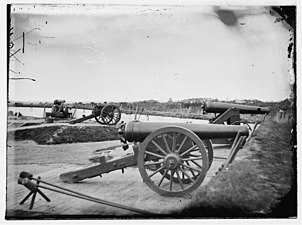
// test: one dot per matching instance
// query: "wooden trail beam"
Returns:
(104, 167)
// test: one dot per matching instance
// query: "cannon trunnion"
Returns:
(173, 158)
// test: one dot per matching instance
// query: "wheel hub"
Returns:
(172, 161)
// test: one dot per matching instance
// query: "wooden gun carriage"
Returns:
(173, 158)
(107, 114)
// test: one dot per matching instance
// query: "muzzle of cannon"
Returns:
(221, 107)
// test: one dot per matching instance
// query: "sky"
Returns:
(119, 53)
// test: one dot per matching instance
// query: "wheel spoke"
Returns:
(191, 168)
(195, 150)
(156, 171)
(154, 154)
(182, 143)
(171, 178)
(166, 143)
(174, 142)
(196, 164)
(196, 156)
(191, 159)
(162, 178)
(186, 174)
(189, 150)
(159, 148)
(179, 180)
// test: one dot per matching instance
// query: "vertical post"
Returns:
(9, 33)
(264, 117)
(74, 111)
(136, 110)
(241, 140)
(23, 37)
(235, 140)
(44, 111)
(252, 133)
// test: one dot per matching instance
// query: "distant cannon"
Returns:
(173, 158)
(58, 111)
(107, 114)
(230, 113)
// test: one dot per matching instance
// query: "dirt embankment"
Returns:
(261, 182)
(65, 134)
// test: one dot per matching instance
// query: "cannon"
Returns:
(173, 158)
(230, 113)
(107, 114)
(58, 111)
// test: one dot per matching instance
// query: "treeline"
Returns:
(185, 107)
(195, 105)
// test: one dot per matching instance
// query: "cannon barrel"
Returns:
(137, 131)
(221, 107)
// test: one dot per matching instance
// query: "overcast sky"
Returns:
(129, 53)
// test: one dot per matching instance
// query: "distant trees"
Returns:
(194, 105)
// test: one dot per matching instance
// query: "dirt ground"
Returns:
(49, 161)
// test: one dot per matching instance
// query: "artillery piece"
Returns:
(58, 111)
(230, 113)
(107, 114)
(173, 158)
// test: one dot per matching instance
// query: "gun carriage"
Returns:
(173, 158)
(106, 114)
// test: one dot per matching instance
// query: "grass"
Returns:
(261, 182)
(65, 134)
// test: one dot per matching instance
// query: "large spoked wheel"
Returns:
(173, 161)
(110, 115)
(209, 148)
